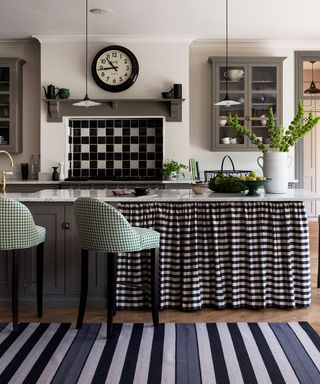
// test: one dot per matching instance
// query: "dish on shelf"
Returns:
(253, 185)
(199, 187)
(140, 191)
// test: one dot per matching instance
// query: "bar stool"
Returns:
(17, 232)
(102, 228)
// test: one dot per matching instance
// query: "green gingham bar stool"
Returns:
(102, 228)
(17, 232)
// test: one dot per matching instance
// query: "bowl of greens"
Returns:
(226, 184)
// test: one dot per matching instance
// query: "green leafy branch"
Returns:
(244, 131)
(280, 139)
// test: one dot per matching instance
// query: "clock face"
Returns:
(115, 68)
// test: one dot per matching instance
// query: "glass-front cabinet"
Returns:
(11, 104)
(255, 83)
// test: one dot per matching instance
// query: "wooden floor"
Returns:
(311, 314)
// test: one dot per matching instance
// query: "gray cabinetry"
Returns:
(11, 104)
(61, 263)
(258, 89)
(97, 263)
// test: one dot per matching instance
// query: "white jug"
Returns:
(275, 167)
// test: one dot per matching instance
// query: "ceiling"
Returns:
(204, 19)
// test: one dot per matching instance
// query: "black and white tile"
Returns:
(115, 148)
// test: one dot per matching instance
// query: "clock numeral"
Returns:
(120, 78)
(125, 61)
(114, 54)
(108, 56)
(107, 78)
(127, 67)
(126, 74)
(120, 55)
(102, 74)
(114, 81)
(101, 66)
(103, 61)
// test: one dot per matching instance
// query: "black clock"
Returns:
(115, 68)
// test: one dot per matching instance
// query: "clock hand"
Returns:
(116, 68)
(102, 69)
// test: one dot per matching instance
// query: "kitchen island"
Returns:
(217, 250)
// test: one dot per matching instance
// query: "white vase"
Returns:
(275, 167)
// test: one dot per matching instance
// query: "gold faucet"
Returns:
(4, 173)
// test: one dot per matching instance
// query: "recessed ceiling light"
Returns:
(101, 11)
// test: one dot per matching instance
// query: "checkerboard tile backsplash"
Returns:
(116, 148)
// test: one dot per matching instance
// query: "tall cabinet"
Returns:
(257, 88)
(11, 104)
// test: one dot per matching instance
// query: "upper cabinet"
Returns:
(254, 82)
(11, 104)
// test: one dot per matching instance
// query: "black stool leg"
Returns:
(111, 289)
(155, 285)
(318, 282)
(84, 287)
(15, 290)
(39, 257)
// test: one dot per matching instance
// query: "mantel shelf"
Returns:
(171, 109)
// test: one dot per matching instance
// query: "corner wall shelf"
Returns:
(171, 109)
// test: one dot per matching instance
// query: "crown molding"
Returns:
(30, 42)
(183, 39)
(247, 43)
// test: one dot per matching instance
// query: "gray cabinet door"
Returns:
(11, 104)
(97, 262)
(258, 88)
(50, 216)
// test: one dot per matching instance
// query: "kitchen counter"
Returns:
(217, 250)
(169, 195)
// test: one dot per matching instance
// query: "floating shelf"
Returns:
(171, 109)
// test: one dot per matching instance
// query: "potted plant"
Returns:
(275, 155)
(171, 169)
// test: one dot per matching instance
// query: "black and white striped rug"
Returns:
(236, 353)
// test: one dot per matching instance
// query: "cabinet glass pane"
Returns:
(4, 106)
(4, 79)
(263, 97)
(4, 133)
(232, 81)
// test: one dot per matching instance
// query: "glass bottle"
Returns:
(32, 168)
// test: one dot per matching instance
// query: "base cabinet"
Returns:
(61, 264)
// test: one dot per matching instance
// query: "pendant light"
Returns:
(227, 102)
(312, 89)
(86, 102)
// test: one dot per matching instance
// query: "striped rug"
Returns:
(236, 353)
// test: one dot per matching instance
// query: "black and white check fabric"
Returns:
(17, 227)
(103, 228)
(223, 254)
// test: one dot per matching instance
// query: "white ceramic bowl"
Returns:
(223, 121)
(199, 188)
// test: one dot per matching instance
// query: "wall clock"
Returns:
(115, 68)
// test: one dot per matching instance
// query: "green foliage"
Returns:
(172, 166)
(226, 184)
(280, 139)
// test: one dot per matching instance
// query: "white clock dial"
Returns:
(114, 67)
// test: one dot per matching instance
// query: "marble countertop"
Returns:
(170, 195)
(115, 182)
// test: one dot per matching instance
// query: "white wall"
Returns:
(29, 51)
(201, 103)
(161, 65)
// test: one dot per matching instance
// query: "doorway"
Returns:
(307, 162)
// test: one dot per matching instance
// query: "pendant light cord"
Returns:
(86, 48)
(227, 48)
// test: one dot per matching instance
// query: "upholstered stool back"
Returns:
(103, 228)
(17, 227)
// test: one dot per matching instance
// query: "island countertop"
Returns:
(174, 195)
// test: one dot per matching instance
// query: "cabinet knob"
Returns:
(65, 225)
(248, 118)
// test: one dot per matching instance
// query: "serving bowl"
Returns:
(253, 185)
(199, 188)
